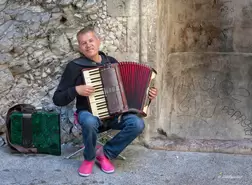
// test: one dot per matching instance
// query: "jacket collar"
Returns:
(86, 62)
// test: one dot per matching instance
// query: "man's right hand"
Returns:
(84, 90)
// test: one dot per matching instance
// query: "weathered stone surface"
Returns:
(2, 125)
(133, 42)
(5, 58)
(3, 4)
(207, 96)
(6, 77)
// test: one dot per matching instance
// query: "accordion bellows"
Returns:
(119, 88)
(40, 130)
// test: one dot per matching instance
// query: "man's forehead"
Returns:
(86, 36)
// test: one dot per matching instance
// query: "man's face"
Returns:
(89, 44)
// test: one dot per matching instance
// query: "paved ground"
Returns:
(142, 166)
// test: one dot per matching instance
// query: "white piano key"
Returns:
(98, 86)
(99, 96)
(96, 83)
(103, 111)
(97, 93)
(95, 76)
(94, 70)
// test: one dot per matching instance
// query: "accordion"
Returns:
(119, 88)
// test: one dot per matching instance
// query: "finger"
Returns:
(152, 97)
(153, 90)
(90, 88)
(89, 92)
(153, 93)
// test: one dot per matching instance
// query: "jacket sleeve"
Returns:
(66, 92)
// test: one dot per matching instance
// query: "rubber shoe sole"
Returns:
(105, 171)
(83, 174)
(108, 172)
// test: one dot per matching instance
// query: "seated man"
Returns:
(71, 87)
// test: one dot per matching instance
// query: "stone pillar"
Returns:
(204, 61)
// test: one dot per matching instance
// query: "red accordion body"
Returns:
(119, 88)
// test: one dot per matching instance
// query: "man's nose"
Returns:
(88, 45)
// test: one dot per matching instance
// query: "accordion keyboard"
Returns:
(97, 100)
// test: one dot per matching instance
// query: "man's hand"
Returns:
(84, 90)
(152, 93)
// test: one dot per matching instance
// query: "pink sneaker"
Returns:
(86, 168)
(104, 162)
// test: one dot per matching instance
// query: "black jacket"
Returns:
(71, 77)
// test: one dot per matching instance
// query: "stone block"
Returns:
(198, 26)
(201, 10)
(118, 8)
(206, 96)
(199, 36)
(242, 39)
(245, 15)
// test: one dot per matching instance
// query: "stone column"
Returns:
(204, 58)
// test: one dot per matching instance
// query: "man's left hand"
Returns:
(152, 93)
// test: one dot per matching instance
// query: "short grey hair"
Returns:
(86, 30)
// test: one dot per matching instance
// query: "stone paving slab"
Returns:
(142, 166)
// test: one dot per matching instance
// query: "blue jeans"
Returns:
(130, 125)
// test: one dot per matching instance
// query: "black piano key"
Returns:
(94, 74)
(96, 96)
(99, 98)
(101, 103)
(101, 108)
(95, 81)
(96, 78)
(100, 90)
(100, 85)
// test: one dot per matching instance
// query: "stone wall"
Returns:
(37, 39)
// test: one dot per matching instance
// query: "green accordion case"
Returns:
(40, 130)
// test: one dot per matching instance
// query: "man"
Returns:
(72, 86)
